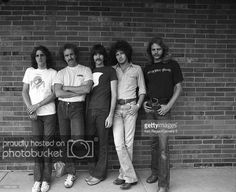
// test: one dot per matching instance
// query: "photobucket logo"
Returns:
(19, 149)
(9, 153)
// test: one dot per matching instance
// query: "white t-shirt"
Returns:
(40, 82)
(73, 76)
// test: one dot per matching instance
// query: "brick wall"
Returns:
(202, 38)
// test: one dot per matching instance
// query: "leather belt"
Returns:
(125, 101)
(69, 103)
(160, 100)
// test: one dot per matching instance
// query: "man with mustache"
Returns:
(163, 80)
(100, 111)
(130, 77)
(71, 86)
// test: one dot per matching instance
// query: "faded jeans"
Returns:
(123, 133)
(160, 153)
(43, 129)
(71, 124)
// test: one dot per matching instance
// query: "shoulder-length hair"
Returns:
(69, 46)
(159, 41)
(121, 45)
(98, 49)
(46, 52)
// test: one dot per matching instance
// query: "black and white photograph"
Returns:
(118, 95)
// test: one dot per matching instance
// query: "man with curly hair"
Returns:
(130, 77)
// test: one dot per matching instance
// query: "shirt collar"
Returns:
(118, 65)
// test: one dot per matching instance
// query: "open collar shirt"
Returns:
(129, 80)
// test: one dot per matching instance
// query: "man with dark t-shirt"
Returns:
(163, 80)
(100, 110)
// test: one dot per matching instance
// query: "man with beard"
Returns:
(163, 80)
(71, 86)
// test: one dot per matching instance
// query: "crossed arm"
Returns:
(72, 91)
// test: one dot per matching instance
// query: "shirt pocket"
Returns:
(79, 79)
(131, 79)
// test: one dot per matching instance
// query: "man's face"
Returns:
(70, 57)
(40, 58)
(121, 57)
(98, 60)
(156, 51)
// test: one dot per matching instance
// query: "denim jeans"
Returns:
(123, 133)
(43, 129)
(160, 153)
(71, 125)
(95, 126)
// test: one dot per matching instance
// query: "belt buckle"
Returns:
(120, 101)
(154, 100)
(154, 103)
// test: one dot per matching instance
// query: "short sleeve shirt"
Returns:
(73, 76)
(100, 96)
(40, 87)
(161, 79)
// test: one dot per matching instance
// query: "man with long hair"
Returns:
(163, 80)
(100, 110)
(38, 95)
(71, 86)
(130, 77)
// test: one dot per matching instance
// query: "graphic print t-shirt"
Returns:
(40, 82)
(161, 78)
(100, 95)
